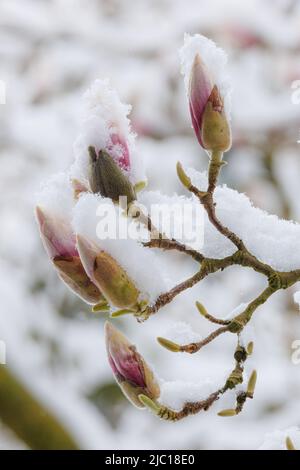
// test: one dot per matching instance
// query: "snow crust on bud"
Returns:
(106, 126)
(213, 58)
(53, 213)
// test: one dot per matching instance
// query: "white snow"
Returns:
(177, 216)
(142, 264)
(56, 196)
(105, 116)
(176, 394)
(297, 298)
(236, 311)
(276, 440)
(55, 200)
(273, 240)
(181, 333)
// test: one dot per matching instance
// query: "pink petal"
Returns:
(199, 92)
(56, 235)
(87, 252)
(122, 357)
(124, 159)
(127, 367)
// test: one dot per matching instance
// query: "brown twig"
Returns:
(190, 408)
(218, 321)
(194, 347)
(167, 244)
(159, 239)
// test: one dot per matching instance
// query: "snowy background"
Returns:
(50, 52)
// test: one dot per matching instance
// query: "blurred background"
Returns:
(60, 388)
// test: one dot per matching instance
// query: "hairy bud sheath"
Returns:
(61, 248)
(207, 110)
(107, 178)
(108, 275)
(130, 369)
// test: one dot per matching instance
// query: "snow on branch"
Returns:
(80, 216)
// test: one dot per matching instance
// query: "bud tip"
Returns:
(148, 403)
(289, 444)
(170, 345)
(184, 179)
(252, 383)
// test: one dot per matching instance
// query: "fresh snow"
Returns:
(140, 263)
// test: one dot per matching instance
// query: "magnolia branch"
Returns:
(242, 257)
(189, 408)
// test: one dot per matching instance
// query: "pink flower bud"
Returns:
(130, 369)
(60, 244)
(207, 109)
(200, 88)
(56, 235)
(208, 89)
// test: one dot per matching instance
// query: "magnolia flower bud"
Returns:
(130, 369)
(60, 245)
(200, 88)
(108, 275)
(203, 65)
(207, 111)
(107, 178)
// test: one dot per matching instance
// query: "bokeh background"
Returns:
(57, 372)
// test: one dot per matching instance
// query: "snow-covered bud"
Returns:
(106, 128)
(60, 245)
(106, 177)
(203, 64)
(108, 275)
(131, 371)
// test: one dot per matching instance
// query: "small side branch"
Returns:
(167, 297)
(159, 239)
(167, 244)
(194, 347)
